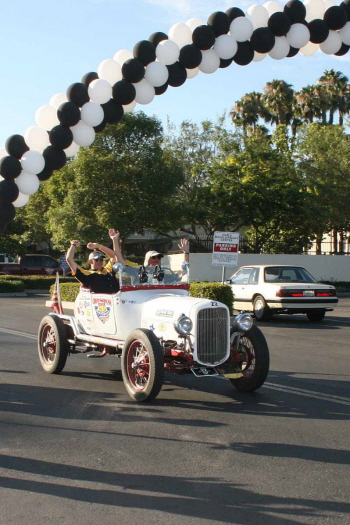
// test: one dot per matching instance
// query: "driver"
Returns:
(98, 279)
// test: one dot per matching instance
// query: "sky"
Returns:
(46, 45)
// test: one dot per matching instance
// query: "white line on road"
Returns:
(15, 332)
(308, 393)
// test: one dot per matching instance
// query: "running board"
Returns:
(99, 340)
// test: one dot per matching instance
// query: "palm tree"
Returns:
(335, 89)
(307, 104)
(247, 111)
(278, 100)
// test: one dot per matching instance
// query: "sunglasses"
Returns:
(100, 259)
(156, 257)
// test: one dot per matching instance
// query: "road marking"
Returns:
(308, 393)
(15, 332)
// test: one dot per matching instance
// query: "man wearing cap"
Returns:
(98, 279)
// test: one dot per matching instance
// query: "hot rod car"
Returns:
(154, 326)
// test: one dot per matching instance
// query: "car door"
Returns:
(241, 288)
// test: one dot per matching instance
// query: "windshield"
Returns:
(290, 274)
(153, 276)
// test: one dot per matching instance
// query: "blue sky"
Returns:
(48, 45)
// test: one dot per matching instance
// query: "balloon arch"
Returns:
(71, 120)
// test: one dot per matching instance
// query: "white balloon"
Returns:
(210, 61)
(273, 7)
(145, 93)
(332, 44)
(280, 49)
(310, 49)
(225, 46)
(156, 74)
(36, 138)
(314, 9)
(181, 34)
(258, 15)
(92, 114)
(46, 117)
(57, 100)
(32, 162)
(72, 150)
(167, 52)
(298, 35)
(83, 134)
(258, 57)
(122, 56)
(27, 183)
(100, 91)
(191, 73)
(192, 23)
(110, 70)
(21, 200)
(129, 108)
(241, 28)
(345, 33)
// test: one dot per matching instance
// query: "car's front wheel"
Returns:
(142, 365)
(261, 311)
(253, 355)
(52, 344)
(316, 315)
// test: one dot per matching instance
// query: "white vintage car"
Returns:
(153, 325)
(276, 288)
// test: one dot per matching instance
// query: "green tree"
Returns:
(334, 90)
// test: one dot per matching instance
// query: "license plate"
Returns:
(309, 293)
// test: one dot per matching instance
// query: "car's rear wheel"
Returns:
(253, 354)
(52, 344)
(261, 311)
(142, 365)
(316, 315)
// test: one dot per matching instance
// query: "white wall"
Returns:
(322, 267)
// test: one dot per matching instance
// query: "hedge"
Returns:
(214, 291)
(11, 285)
(68, 291)
(37, 282)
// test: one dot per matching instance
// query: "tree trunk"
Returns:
(335, 240)
(341, 247)
(319, 243)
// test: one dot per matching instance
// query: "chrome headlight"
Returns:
(183, 325)
(243, 322)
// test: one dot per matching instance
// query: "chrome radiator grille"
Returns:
(212, 335)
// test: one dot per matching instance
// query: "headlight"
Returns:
(243, 322)
(183, 325)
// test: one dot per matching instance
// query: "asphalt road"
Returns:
(75, 449)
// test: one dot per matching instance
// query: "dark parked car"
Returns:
(32, 264)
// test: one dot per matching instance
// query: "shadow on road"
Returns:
(209, 498)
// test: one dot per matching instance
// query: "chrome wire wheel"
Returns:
(52, 344)
(138, 365)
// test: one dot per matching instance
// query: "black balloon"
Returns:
(177, 75)
(7, 213)
(68, 114)
(45, 174)
(279, 23)
(55, 158)
(161, 89)
(343, 50)
(113, 112)
(225, 62)
(234, 12)
(220, 23)
(123, 92)
(245, 54)
(145, 51)
(190, 56)
(262, 40)
(78, 93)
(295, 10)
(346, 5)
(335, 17)
(61, 136)
(101, 126)
(133, 70)
(16, 146)
(3, 226)
(8, 191)
(155, 38)
(292, 52)
(319, 31)
(203, 37)
(10, 167)
(89, 77)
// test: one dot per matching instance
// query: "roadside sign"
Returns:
(63, 263)
(225, 249)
